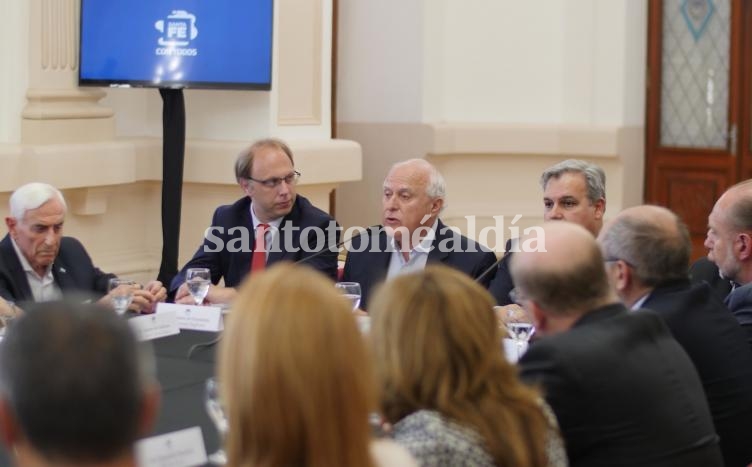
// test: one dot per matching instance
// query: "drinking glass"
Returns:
(7, 319)
(198, 281)
(217, 415)
(351, 291)
(121, 293)
(519, 325)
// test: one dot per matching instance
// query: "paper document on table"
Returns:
(183, 448)
(193, 317)
(154, 326)
(513, 349)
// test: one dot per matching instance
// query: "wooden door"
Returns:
(698, 78)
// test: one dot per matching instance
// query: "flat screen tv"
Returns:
(213, 44)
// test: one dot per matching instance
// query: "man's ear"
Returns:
(9, 431)
(436, 206)
(149, 409)
(600, 208)
(11, 222)
(744, 246)
(622, 276)
(245, 185)
(539, 318)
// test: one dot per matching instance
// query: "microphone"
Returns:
(511, 245)
(336, 246)
(488, 270)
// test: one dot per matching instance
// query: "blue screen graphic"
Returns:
(177, 43)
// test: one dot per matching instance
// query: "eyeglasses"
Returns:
(274, 182)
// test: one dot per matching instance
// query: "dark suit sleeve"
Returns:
(488, 260)
(102, 281)
(541, 367)
(325, 262)
(704, 270)
(739, 302)
(75, 271)
(502, 283)
(207, 255)
(8, 290)
(366, 265)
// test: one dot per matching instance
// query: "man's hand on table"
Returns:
(145, 298)
(216, 294)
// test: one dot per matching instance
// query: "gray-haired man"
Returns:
(574, 191)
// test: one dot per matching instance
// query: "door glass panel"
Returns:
(695, 73)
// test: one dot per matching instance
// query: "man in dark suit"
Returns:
(412, 234)
(623, 390)
(647, 249)
(78, 389)
(38, 264)
(729, 244)
(704, 270)
(293, 229)
(574, 191)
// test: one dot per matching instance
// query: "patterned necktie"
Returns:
(258, 260)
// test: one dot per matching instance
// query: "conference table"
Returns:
(183, 381)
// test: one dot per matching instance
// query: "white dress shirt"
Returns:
(638, 304)
(418, 256)
(43, 288)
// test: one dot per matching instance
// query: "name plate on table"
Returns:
(514, 350)
(154, 326)
(195, 317)
(182, 448)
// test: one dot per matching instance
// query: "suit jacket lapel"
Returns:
(17, 274)
(243, 258)
(63, 278)
(381, 261)
(435, 255)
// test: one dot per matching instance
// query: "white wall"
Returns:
(14, 68)
(495, 89)
(493, 53)
(571, 62)
(380, 60)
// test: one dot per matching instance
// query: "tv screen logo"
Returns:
(178, 30)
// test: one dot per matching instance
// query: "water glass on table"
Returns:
(6, 319)
(198, 281)
(121, 293)
(351, 291)
(217, 415)
(519, 326)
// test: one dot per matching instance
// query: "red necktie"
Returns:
(258, 260)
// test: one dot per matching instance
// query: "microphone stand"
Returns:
(488, 270)
(336, 246)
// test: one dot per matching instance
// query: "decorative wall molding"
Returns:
(59, 20)
(491, 138)
(127, 161)
(299, 62)
(54, 104)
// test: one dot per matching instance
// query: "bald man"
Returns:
(412, 235)
(623, 390)
(647, 249)
(729, 244)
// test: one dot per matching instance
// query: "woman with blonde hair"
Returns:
(448, 391)
(295, 377)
